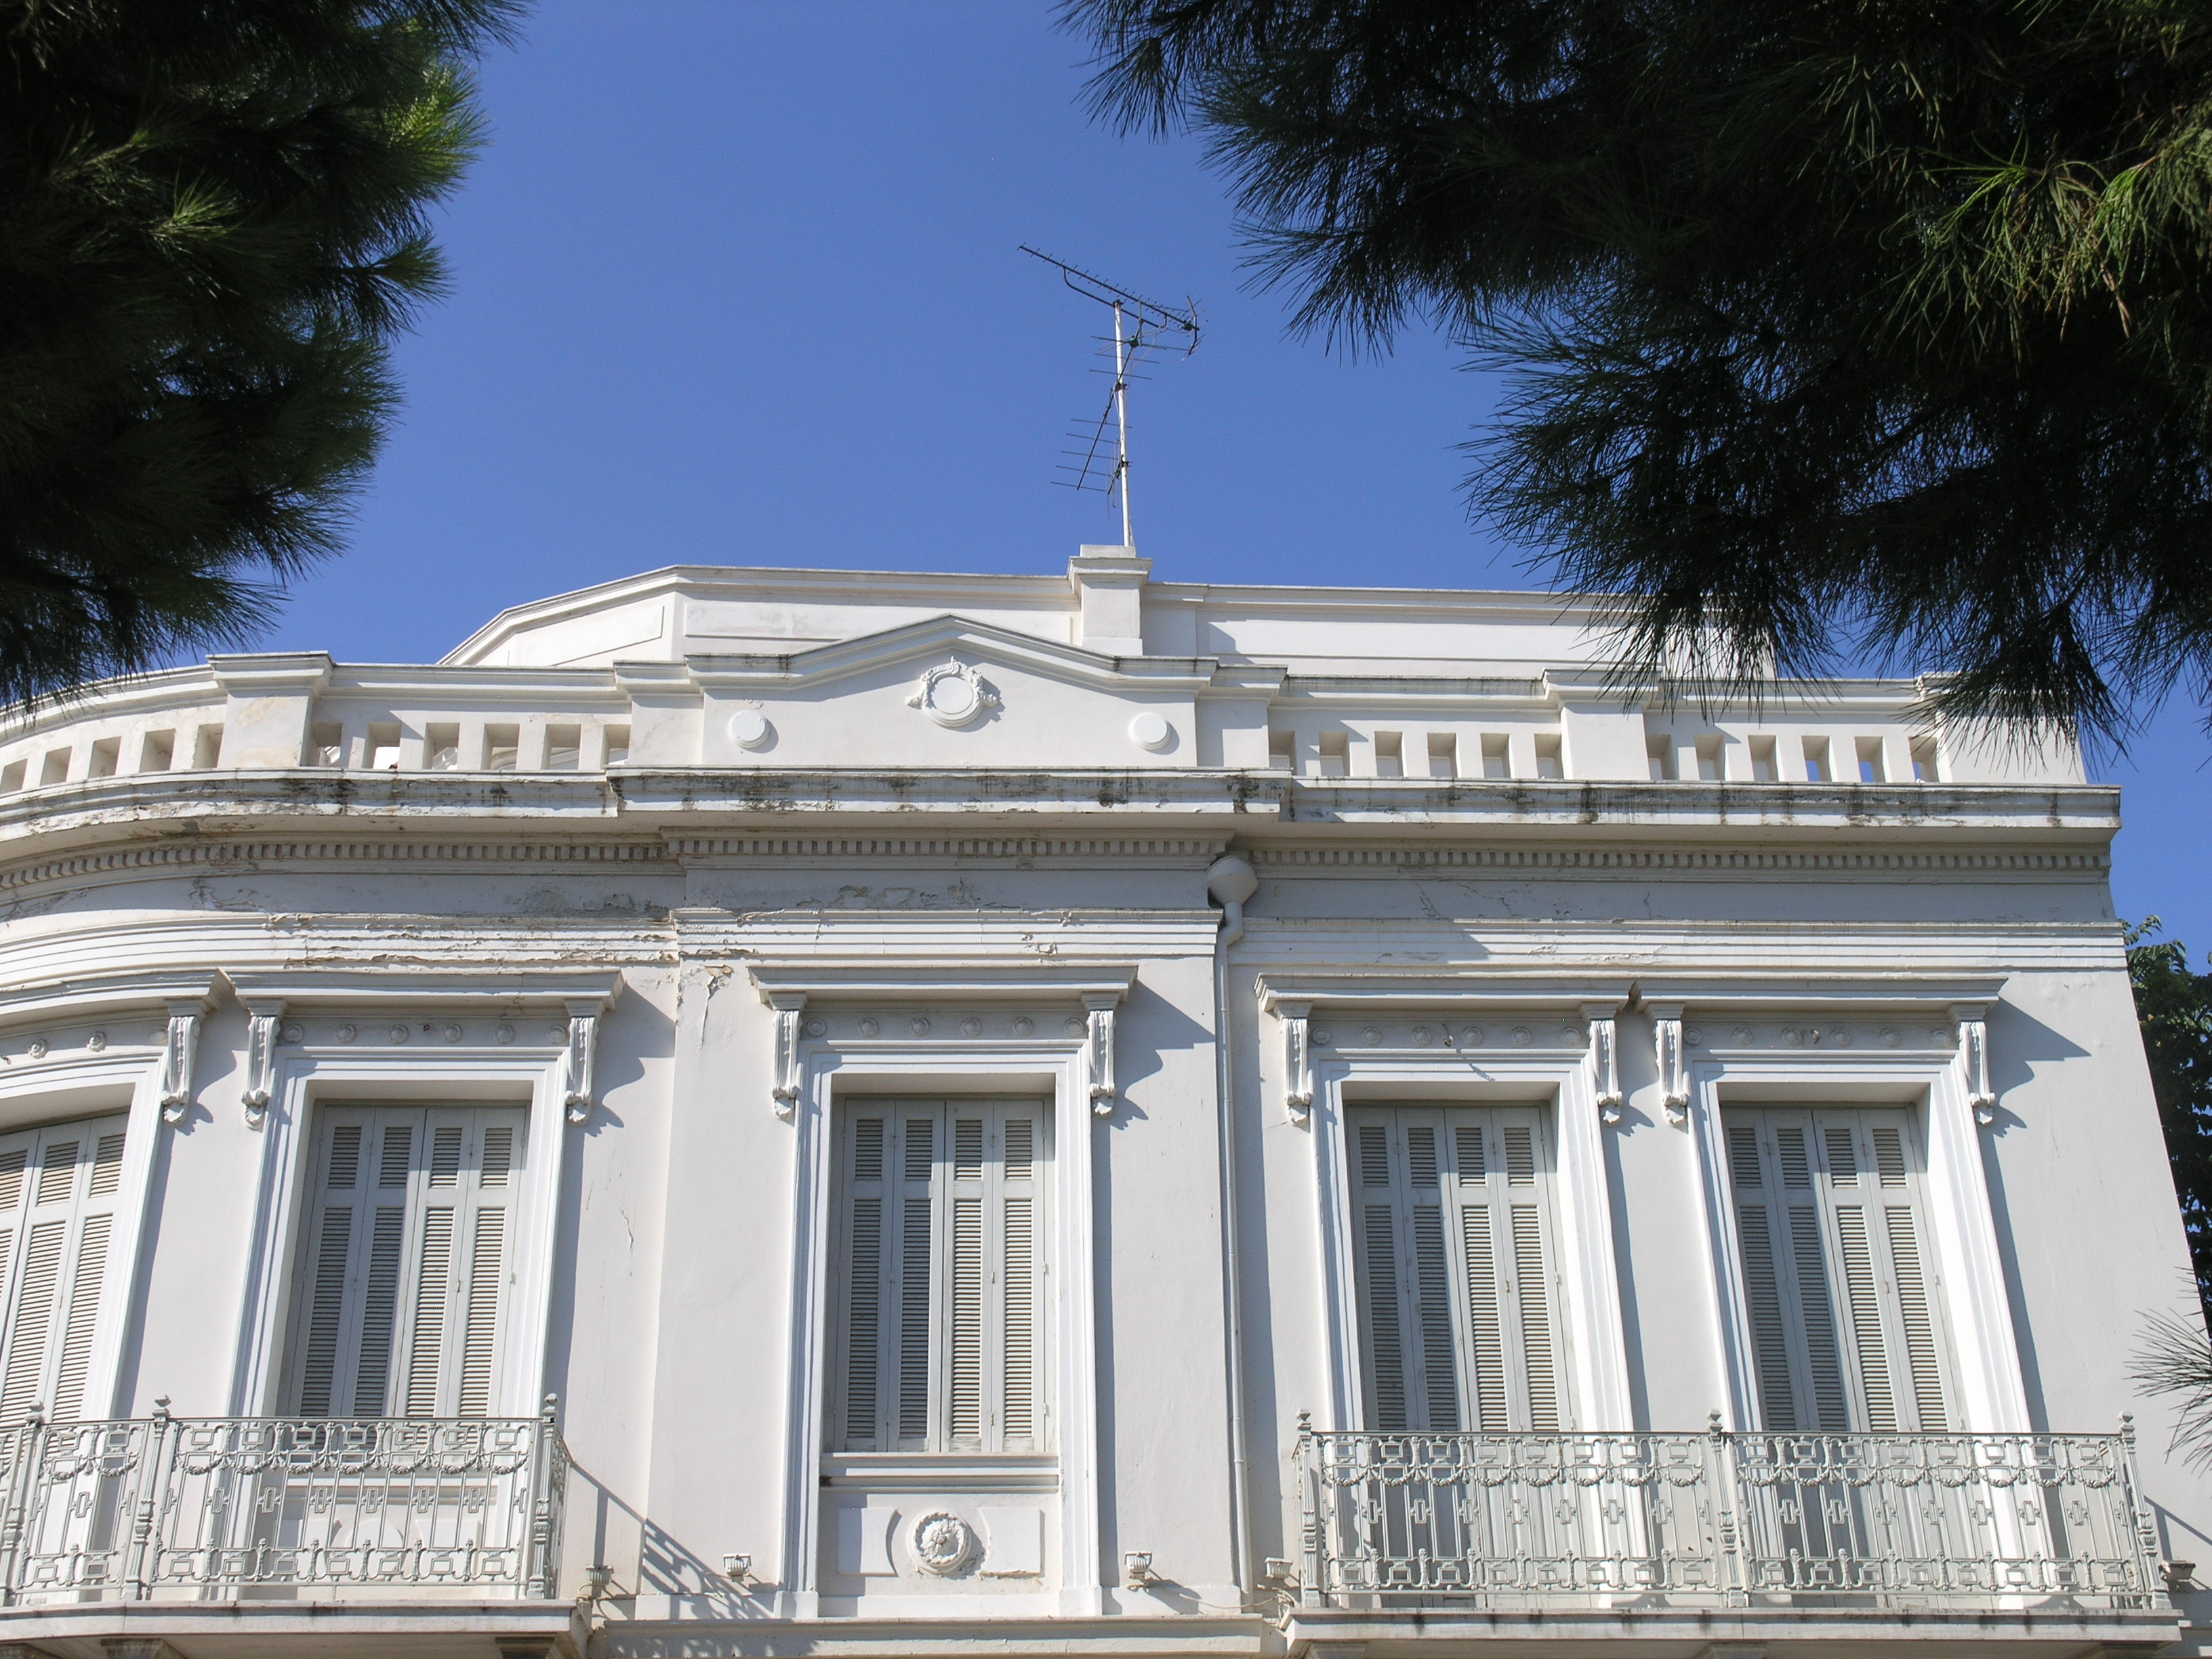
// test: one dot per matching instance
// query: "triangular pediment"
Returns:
(941, 638)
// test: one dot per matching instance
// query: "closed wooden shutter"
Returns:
(1452, 1232)
(938, 1334)
(1831, 1220)
(408, 1260)
(59, 1187)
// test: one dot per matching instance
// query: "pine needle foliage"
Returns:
(213, 221)
(1835, 332)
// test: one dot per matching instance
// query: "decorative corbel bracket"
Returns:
(1674, 1060)
(263, 1015)
(1297, 1059)
(1099, 1045)
(1604, 1057)
(1973, 1020)
(578, 1090)
(789, 1006)
(179, 1048)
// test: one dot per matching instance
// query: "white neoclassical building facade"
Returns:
(783, 1112)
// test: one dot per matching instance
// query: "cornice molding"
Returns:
(742, 848)
(1722, 860)
(92, 994)
(939, 980)
(1469, 989)
(322, 988)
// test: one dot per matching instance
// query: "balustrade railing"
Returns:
(1715, 1519)
(221, 1507)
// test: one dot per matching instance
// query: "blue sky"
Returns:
(735, 281)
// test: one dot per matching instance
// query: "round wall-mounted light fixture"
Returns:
(1151, 731)
(748, 729)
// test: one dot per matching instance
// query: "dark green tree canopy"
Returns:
(212, 221)
(1848, 329)
(2173, 1007)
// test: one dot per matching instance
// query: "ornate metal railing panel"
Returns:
(1507, 1519)
(1896, 1521)
(175, 1506)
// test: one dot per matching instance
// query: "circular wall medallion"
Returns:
(943, 1544)
(1843, 1038)
(1521, 1036)
(1889, 1037)
(1322, 1037)
(399, 1034)
(346, 1033)
(971, 1027)
(918, 1025)
(294, 1031)
(748, 729)
(868, 1026)
(1421, 1037)
(1151, 731)
(1371, 1035)
(953, 695)
(1742, 1036)
(505, 1034)
(452, 1033)
(97, 1041)
(1474, 1037)
(1024, 1025)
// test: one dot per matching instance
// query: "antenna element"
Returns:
(1140, 326)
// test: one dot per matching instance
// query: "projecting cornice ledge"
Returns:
(1902, 991)
(937, 979)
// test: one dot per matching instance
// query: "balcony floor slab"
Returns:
(330, 1629)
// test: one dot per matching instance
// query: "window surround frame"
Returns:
(124, 1077)
(533, 1074)
(1940, 1093)
(1563, 1082)
(821, 1069)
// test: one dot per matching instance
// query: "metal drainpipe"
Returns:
(1229, 882)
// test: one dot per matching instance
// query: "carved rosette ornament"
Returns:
(954, 695)
(943, 1544)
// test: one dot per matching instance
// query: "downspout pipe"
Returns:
(1229, 882)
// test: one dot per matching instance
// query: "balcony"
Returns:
(2030, 1535)
(259, 1509)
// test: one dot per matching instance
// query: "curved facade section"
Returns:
(760, 1109)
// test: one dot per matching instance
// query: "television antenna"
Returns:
(1141, 327)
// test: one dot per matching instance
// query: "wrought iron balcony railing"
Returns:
(189, 1508)
(1891, 1521)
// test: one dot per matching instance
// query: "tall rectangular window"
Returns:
(407, 1255)
(1845, 1329)
(939, 1337)
(1459, 1302)
(58, 1187)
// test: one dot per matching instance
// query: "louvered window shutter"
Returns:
(59, 1187)
(409, 1247)
(1830, 1219)
(1452, 1235)
(938, 1330)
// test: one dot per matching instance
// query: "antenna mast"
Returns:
(1138, 322)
